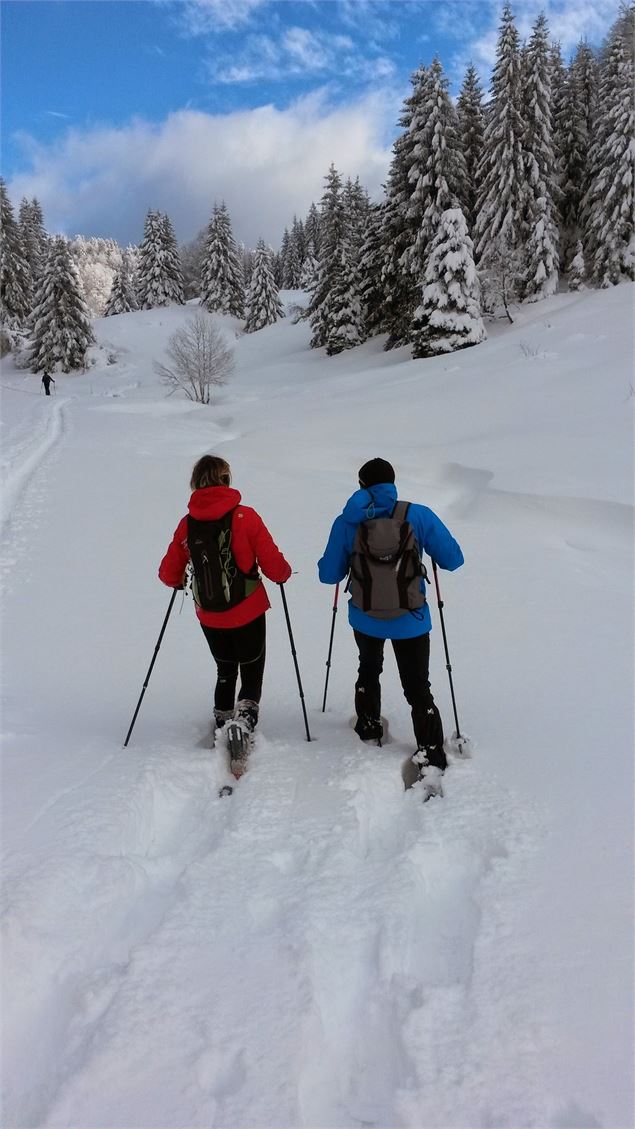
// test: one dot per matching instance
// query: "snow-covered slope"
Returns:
(322, 950)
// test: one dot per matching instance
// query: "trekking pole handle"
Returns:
(436, 583)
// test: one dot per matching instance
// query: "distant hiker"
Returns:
(388, 601)
(227, 543)
(47, 380)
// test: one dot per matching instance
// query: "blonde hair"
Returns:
(210, 470)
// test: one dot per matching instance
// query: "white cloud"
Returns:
(202, 17)
(376, 18)
(266, 163)
(297, 53)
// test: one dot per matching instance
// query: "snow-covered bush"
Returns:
(201, 359)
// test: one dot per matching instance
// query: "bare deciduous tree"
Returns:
(201, 359)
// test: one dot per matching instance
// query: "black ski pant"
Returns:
(234, 649)
(413, 660)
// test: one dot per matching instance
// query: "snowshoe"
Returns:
(431, 782)
(459, 745)
(371, 730)
(240, 735)
(219, 720)
(417, 770)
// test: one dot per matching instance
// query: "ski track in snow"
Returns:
(371, 1023)
(23, 489)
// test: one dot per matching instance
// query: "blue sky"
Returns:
(111, 107)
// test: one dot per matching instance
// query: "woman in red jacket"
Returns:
(236, 637)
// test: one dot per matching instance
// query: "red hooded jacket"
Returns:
(252, 544)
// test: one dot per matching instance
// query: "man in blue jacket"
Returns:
(409, 632)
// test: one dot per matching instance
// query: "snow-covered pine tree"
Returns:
(222, 284)
(541, 252)
(576, 273)
(15, 276)
(437, 174)
(173, 270)
(290, 253)
(356, 206)
(34, 237)
(342, 319)
(471, 118)
(333, 231)
(345, 324)
(61, 329)
(449, 317)
(571, 145)
(298, 238)
(501, 172)
(264, 306)
(153, 288)
(609, 203)
(276, 266)
(576, 125)
(585, 74)
(284, 253)
(191, 256)
(122, 298)
(292, 268)
(401, 295)
(371, 262)
(310, 269)
(129, 267)
(247, 258)
(313, 230)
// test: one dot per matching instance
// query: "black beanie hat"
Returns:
(375, 471)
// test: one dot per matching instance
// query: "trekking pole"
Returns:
(328, 661)
(156, 651)
(448, 665)
(295, 660)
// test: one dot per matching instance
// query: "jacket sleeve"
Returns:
(172, 566)
(439, 543)
(268, 555)
(333, 565)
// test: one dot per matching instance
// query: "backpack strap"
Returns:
(400, 510)
(365, 578)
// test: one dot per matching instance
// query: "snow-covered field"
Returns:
(322, 950)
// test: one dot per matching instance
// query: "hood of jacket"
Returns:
(374, 501)
(212, 502)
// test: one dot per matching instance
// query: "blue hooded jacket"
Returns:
(432, 537)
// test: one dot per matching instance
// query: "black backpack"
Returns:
(386, 566)
(217, 582)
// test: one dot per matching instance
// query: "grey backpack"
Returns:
(386, 566)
